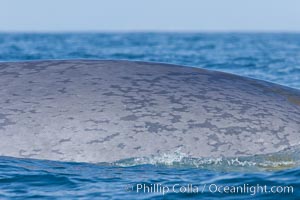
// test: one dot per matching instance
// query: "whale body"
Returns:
(105, 111)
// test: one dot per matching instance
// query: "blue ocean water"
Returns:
(267, 56)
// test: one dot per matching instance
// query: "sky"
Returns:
(149, 15)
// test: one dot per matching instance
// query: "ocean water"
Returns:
(266, 56)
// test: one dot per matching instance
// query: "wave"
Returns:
(282, 160)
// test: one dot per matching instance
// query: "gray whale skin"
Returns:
(105, 111)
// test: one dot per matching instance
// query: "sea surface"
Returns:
(273, 57)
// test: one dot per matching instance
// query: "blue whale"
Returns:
(105, 111)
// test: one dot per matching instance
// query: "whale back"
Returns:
(105, 111)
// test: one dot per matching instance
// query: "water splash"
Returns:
(285, 159)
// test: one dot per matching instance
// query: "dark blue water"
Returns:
(271, 57)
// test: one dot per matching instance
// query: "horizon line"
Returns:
(147, 31)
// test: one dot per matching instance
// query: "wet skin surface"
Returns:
(103, 111)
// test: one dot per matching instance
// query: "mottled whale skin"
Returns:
(105, 111)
